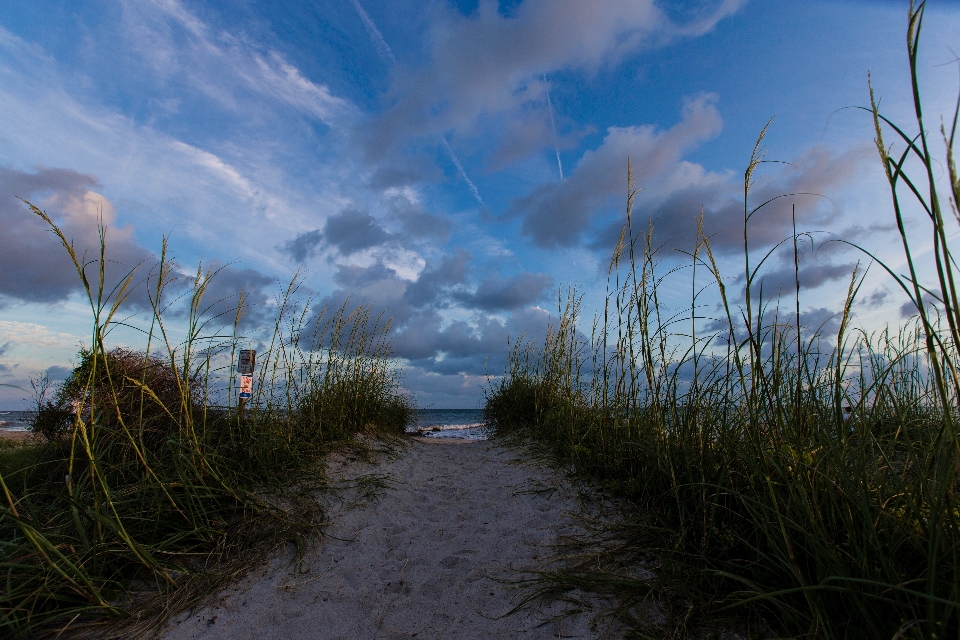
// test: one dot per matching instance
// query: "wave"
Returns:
(445, 427)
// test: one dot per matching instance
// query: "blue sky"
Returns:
(455, 163)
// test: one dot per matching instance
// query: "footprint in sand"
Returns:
(427, 559)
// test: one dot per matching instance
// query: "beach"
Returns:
(422, 543)
(18, 436)
(15, 427)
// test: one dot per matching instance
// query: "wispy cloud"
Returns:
(461, 171)
(382, 47)
(208, 197)
(287, 84)
(178, 46)
(35, 335)
(553, 127)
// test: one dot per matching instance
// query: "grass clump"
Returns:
(798, 485)
(146, 494)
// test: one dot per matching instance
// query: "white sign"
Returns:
(248, 360)
(246, 386)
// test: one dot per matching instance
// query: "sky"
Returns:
(454, 164)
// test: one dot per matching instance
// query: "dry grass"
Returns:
(146, 497)
(780, 482)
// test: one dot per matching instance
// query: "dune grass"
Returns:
(146, 495)
(783, 482)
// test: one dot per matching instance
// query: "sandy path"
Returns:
(418, 562)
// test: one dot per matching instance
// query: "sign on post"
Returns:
(246, 386)
(246, 365)
(248, 360)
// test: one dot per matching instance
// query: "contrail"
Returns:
(553, 125)
(463, 174)
(387, 54)
(382, 47)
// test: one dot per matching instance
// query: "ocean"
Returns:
(15, 420)
(463, 424)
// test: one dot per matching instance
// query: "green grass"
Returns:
(16, 459)
(147, 497)
(761, 501)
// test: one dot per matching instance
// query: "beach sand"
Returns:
(27, 437)
(425, 558)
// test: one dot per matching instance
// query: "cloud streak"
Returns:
(175, 44)
(382, 47)
(461, 171)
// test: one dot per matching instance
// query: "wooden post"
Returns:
(246, 365)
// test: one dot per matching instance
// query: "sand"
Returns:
(27, 437)
(424, 558)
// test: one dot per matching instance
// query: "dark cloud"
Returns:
(503, 294)
(908, 309)
(351, 231)
(531, 132)
(436, 280)
(821, 320)
(222, 296)
(783, 281)
(5, 348)
(402, 169)
(354, 277)
(818, 320)
(420, 334)
(819, 171)
(34, 266)
(813, 177)
(557, 214)
(438, 391)
(473, 348)
(417, 222)
(304, 245)
(877, 298)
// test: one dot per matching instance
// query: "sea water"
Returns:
(15, 420)
(463, 424)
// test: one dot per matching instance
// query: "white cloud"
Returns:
(488, 64)
(216, 198)
(35, 335)
(177, 45)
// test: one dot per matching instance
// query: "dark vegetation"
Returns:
(780, 483)
(145, 495)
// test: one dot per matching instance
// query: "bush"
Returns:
(52, 421)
